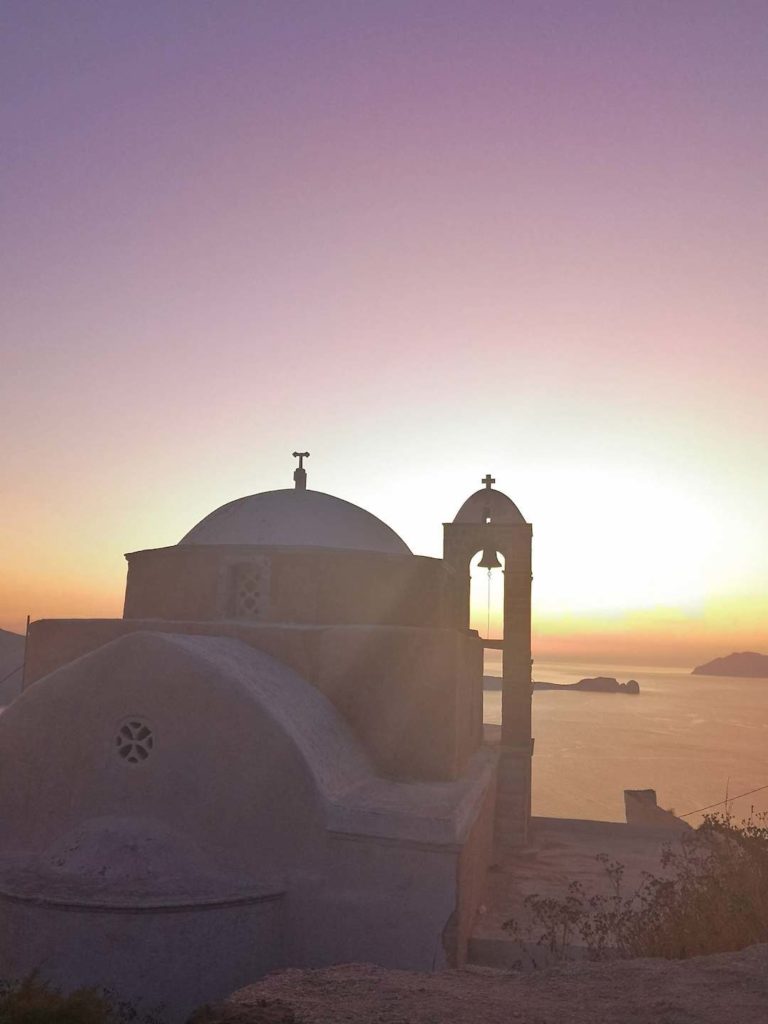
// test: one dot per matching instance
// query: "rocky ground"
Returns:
(730, 988)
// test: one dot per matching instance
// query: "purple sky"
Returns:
(424, 240)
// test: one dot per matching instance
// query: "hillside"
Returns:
(747, 664)
(11, 658)
(702, 990)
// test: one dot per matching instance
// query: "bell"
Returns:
(489, 560)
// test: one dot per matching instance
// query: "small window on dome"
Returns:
(251, 589)
(134, 741)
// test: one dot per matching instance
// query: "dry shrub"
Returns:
(33, 1002)
(711, 897)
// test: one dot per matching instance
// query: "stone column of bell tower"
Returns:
(489, 521)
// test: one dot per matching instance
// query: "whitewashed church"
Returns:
(275, 758)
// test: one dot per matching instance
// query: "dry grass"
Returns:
(711, 896)
(33, 1002)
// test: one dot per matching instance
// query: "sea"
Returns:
(694, 739)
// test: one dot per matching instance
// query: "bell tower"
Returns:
(490, 522)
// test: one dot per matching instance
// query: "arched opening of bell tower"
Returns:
(486, 606)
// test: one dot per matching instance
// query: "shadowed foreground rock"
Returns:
(703, 990)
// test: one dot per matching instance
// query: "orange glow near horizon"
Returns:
(638, 569)
(669, 634)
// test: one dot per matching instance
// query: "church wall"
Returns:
(165, 964)
(471, 875)
(381, 902)
(300, 585)
(417, 901)
(215, 754)
(247, 769)
(413, 697)
(56, 642)
(163, 585)
(394, 900)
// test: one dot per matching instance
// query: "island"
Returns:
(594, 684)
(746, 664)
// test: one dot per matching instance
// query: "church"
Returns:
(274, 759)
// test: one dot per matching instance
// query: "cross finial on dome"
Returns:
(488, 480)
(300, 474)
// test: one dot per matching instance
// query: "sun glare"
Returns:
(612, 542)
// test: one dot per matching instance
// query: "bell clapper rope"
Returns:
(488, 623)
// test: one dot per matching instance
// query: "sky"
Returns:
(423, 240)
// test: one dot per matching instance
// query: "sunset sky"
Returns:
(424, 240)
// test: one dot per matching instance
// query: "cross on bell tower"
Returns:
(488, 480)
(300, 474)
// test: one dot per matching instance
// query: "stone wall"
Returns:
(166, 964)
(641, 808)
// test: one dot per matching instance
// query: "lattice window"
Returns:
(251, 590)
(135, 741)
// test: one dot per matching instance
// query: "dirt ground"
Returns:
(729, 988)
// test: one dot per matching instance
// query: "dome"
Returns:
(296, 518)
(489, 502)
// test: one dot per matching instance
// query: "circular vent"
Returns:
(134, 741)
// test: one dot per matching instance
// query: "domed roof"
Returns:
(296, 518)
(489, 505)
